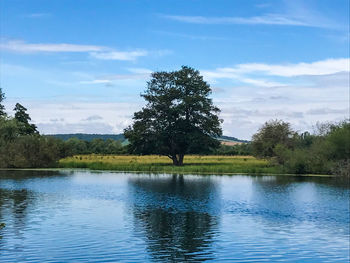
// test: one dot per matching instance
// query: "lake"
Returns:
(83, 216)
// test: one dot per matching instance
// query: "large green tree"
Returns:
(23, 118)
(2, 107)
(179, 117)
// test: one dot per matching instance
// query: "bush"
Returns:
(326, 152)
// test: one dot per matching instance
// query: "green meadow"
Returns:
(155, 163)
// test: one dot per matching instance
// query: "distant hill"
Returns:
(89, 137)
(232, 139)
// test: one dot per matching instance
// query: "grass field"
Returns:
(155, 163)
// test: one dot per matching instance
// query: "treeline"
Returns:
(238, 149)
(89, 137)
(21, 145)
(326, 151)
(96, 146)
(99, 146)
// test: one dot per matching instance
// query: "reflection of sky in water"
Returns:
(101, 216)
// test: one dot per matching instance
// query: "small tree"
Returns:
(271, 134)
(23, 118)
(2, 107)
(179, 117)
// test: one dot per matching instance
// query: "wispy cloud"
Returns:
(268, 19)
(96, 81)
(21, 46)
(318, 68)
(292, 13)
(118, 55)
(323, 67)
(233, 74)
(98, 52)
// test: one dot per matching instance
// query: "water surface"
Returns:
(82, 216)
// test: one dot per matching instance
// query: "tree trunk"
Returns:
(178, 159)
(175, 161)
(181, 159)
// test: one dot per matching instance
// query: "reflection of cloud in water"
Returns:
(17, 201)
(287, 199)
(177, 215)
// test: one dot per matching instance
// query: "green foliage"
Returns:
(325, 152)
(89, 137)
(23, 119)
(179, 117)
(239, 149)
(9, 130)
(2, 107)
(31, 152)
(271, 134)
(96, 146)
(21, 146)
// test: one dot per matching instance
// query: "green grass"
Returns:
(155, 163)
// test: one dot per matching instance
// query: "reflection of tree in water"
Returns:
(13, 211)
(177, 215)
(16, 202)
(14, 205)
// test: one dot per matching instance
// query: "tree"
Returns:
(2, 107)
(179, 117)
(23, 118)
(271, 134)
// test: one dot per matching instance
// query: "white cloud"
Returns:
(93, 118)
(74, 117)
(98, 52)
(233, 74)
(268, 19)
(118, 55)
(262, 82)
(21, 46)
(288, 13)
(323, 67)
(96, 81)
(62, 128)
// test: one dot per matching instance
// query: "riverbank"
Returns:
(155, 163)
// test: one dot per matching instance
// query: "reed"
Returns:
(155, 163)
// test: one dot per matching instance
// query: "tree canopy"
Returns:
(271, 134)
(179, 117)
(2, 107)
(23, 118)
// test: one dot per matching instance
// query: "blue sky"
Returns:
(79, 66)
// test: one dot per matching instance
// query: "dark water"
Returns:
(116, 217)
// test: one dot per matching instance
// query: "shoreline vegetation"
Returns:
(193, 164)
